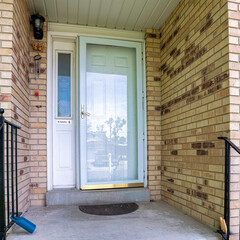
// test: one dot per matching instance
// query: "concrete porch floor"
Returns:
(152, 221)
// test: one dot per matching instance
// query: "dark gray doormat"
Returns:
(110, 209)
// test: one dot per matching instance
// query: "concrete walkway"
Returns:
(152, 221)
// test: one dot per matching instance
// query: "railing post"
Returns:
(227, 188)
(2, 188)
(16, 171)
(228, 145)
(12, 172)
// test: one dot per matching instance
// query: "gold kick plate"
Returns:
(107, 186)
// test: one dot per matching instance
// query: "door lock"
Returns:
(83, 113)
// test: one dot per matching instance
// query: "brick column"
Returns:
(6, 35)
(153, 117)
(234, 82)
(14, 87)
(38, 124)
(20, 93)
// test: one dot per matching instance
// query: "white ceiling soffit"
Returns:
(120, 14)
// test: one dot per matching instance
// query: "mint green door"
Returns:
(109, 118)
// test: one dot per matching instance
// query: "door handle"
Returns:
(82, 112)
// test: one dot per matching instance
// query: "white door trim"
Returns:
(49, 113)
(76, 30)
(64, 31)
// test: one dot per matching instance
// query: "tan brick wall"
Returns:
(153, 118)
(191, 106)
(38, 125)
(14, 64)
(234, 81)
(6, 29)
(17, 97)
(187, 75)
(20, 93)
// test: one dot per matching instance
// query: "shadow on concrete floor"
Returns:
(152, 221)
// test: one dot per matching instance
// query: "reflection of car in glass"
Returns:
(103, 160)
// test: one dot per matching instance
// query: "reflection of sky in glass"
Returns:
(64, 85)
(64, 96)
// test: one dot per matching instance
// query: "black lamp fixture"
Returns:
(37, 22)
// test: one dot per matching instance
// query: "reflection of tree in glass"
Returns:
(110, 123)
(116, 144)
(115, 126)
(100, 128)
(97, 132)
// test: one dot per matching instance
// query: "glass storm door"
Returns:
(109, 124)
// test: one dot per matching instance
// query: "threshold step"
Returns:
(58, 197)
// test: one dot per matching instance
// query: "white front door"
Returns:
(64, 127)
(111, 114)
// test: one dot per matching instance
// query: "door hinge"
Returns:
(143, 100)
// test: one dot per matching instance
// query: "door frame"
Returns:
(82, 48)
(67, 32)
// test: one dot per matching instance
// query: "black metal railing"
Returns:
(8, 174)
(228, 145)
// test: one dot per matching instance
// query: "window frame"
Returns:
(71, 84)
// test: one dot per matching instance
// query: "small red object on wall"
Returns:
(37, 93)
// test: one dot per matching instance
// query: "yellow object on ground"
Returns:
(223, 225)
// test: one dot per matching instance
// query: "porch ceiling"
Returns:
(121, 14)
